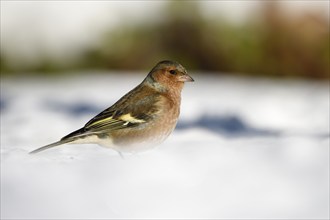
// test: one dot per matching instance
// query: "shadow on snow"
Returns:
(230, 126)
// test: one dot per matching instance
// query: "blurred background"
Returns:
(266, 38)
(253, 135)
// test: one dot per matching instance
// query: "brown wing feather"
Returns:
(124, 113)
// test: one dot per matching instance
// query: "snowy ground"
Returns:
(243, 149)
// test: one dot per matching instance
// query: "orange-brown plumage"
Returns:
(142, 118)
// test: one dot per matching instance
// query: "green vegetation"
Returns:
(270, 44)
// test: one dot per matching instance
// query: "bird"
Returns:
(141, 119)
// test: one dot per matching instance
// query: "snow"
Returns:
(244, 148)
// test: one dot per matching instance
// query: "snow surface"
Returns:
(244, 148)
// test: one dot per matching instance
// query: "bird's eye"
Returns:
(173, 72)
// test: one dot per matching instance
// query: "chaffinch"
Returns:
(142, 118)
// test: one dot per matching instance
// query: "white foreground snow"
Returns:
(243, 149)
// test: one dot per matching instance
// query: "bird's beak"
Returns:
(186, 78)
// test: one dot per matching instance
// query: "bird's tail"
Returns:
(70, 138)
(65, 141)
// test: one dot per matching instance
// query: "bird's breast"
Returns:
(150, 133)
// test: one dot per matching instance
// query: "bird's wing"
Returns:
(125, 113)
(112, 120)
(135, 108)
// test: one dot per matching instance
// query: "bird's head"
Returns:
(169, 74)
